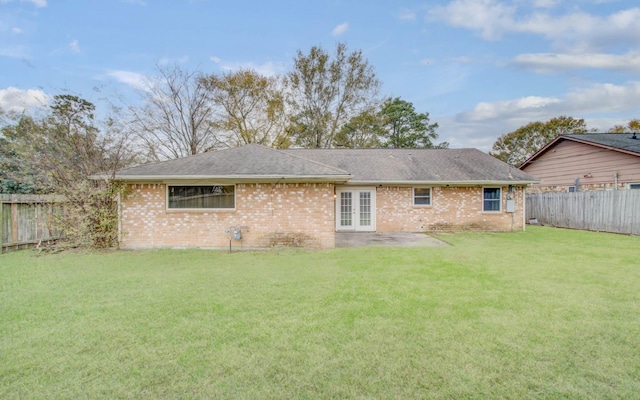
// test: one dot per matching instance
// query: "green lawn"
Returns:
(546, 313)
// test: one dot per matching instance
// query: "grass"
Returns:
(546, 313)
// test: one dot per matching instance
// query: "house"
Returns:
(301, 197)
(586, 162)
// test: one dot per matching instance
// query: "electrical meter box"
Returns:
(511, 205)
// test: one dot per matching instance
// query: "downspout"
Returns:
(119, 219)
(524, 208)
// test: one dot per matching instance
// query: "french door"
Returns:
(356, 210)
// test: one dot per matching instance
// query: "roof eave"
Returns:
(444, 183)
(230, 178)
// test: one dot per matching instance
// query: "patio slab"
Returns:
(398, 239)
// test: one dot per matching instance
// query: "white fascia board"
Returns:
(441, 183)
(233, 178)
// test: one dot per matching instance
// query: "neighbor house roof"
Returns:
(622, 142)
(255, 163)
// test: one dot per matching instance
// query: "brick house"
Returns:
(586, 162)
(301, 197)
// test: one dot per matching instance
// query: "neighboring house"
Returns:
(586, 162)
(301, 197)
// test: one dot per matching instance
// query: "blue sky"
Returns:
(480, 68)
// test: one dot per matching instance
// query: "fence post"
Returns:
(1, 226)
(14, 222)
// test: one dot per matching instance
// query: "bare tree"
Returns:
(250, 108)
(326, 91)
(59, 152)
(175, 118)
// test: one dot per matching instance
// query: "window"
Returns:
(571, 189)
(491, 199)
(204, 197)
(634, 186)
(421, 196)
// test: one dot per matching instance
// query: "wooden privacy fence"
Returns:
(615, 211)
(26, 220)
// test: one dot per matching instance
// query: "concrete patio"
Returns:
(397, 239)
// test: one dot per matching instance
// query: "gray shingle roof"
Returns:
(353, 165)
(623, 141)
(246, 161)
(415, 165)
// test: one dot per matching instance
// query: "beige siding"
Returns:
(559, 167)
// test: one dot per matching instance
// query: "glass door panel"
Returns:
(346, 209)
(355, 209)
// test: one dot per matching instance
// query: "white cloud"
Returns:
(340, 29)
(16, 30)
(17, 100)
(551, 62)
(426, 61)
(604, 98)
(37, 3)
(595, 99)
(170, 60)
(601, 105)
(406, 14)
(268, 69)
(134, 79)
(545, 3)
(490, 17)
(17, 51)
(579, 31)
(529, 106)
(74, 46)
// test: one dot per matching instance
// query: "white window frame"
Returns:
(168, 186)
(499, 210)
(413, 196)
(635, 184)
(571, 187)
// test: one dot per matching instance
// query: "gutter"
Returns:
(225, 178)
(443, 183)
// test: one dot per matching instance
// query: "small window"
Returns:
(201, 197)
(634, 186)
(571, 189)
(421, 196)
(491, 199)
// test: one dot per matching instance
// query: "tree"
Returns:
(362, 131)
(249, 108)
(516, 147)
(15, 175)
(402, 127)
(174, 119)
(632, 126)
(326, 91)
(59, 152)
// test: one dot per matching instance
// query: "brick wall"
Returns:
(276, 214)
(452, 208)
(301, 215)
